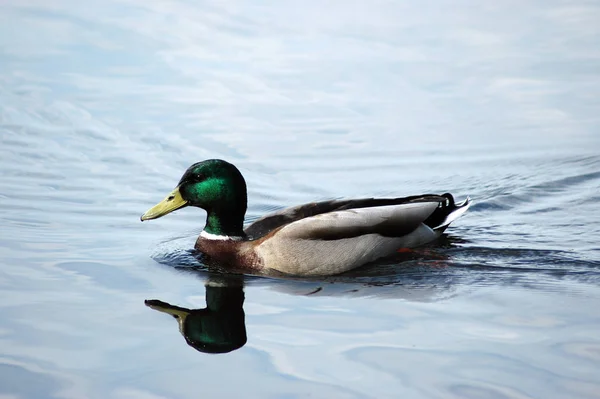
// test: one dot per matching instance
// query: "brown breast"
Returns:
(230, 254)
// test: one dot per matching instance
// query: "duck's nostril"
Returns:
(171, 197)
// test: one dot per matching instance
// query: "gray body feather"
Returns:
(336, 241)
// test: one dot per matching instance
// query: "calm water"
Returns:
(103, 105)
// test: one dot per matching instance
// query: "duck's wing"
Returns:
(355, 216)
(275, 220)
(386, 221)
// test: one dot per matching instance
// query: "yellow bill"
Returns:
(171, 203)
(179, 313)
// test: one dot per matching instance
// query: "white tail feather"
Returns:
(461, 208)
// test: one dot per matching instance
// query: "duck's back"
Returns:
(275, 220)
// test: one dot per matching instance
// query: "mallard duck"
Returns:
(315, 239)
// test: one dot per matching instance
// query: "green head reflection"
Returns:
(218, 328)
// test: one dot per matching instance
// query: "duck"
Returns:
(315, 239)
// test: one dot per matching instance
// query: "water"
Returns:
(104, 105)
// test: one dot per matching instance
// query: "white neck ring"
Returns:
(209, 236)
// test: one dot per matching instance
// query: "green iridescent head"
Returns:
(215, 186)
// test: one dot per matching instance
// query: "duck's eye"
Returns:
(199, 176)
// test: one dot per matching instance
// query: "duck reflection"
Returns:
(422, 275)
(218, 328)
